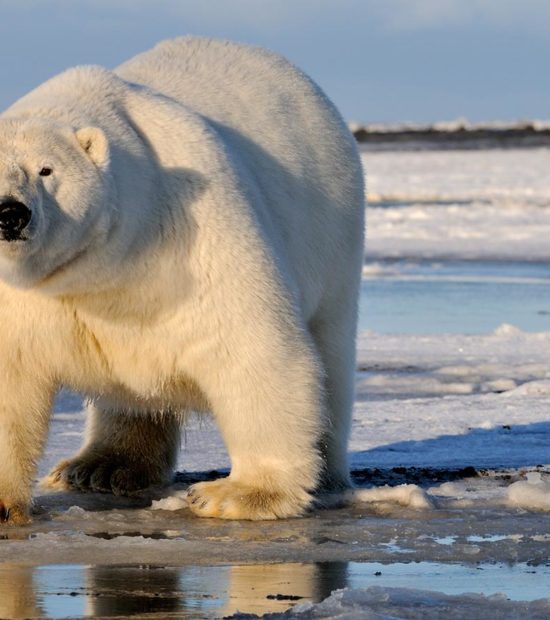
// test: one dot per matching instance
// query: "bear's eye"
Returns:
(45, 172)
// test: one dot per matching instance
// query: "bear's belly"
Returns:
(136, 370)
(178, 394)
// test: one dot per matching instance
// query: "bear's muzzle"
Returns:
(14, 218)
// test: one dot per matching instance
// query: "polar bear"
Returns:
(183, 233)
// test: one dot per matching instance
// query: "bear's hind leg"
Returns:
(124, 453)
(334, 332)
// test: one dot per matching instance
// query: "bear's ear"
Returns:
(95, 144)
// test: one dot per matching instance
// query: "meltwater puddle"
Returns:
(62, 591)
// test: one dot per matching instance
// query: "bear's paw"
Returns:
(103, 473)
(232, 499)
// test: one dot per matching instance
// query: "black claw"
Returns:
(4, 513)
(204, 504)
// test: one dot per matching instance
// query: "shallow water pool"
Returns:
(216, 591)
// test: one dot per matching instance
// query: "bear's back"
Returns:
(244, 87)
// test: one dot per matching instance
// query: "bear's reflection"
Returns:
(116, 590)
(193, 591)
(17, 592)
(264, 588)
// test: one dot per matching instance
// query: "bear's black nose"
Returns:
(14, 218)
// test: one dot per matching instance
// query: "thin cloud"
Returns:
(410, 15)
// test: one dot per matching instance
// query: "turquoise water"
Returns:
(455, 297)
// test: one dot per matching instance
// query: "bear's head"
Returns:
(54, 197)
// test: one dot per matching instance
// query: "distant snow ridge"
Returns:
(458, 132)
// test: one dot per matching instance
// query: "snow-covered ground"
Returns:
(459, 204)
(453, 402)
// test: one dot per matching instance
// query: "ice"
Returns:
(409, 495)
(532, 494)
(172, 502)
(380, 603)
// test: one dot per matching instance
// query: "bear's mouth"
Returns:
(11, 237)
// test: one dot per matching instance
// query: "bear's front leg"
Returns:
(25, 406)
(270, 411)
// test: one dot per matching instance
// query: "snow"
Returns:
(410, 495)
(450, 445)
(490, 204)
(533, 493)
(379, 603)
(173, 502)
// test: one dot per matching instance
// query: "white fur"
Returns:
(198, 246)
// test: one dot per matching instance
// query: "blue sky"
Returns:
(379, 60)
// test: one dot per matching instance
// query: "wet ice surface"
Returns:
(453, 396)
